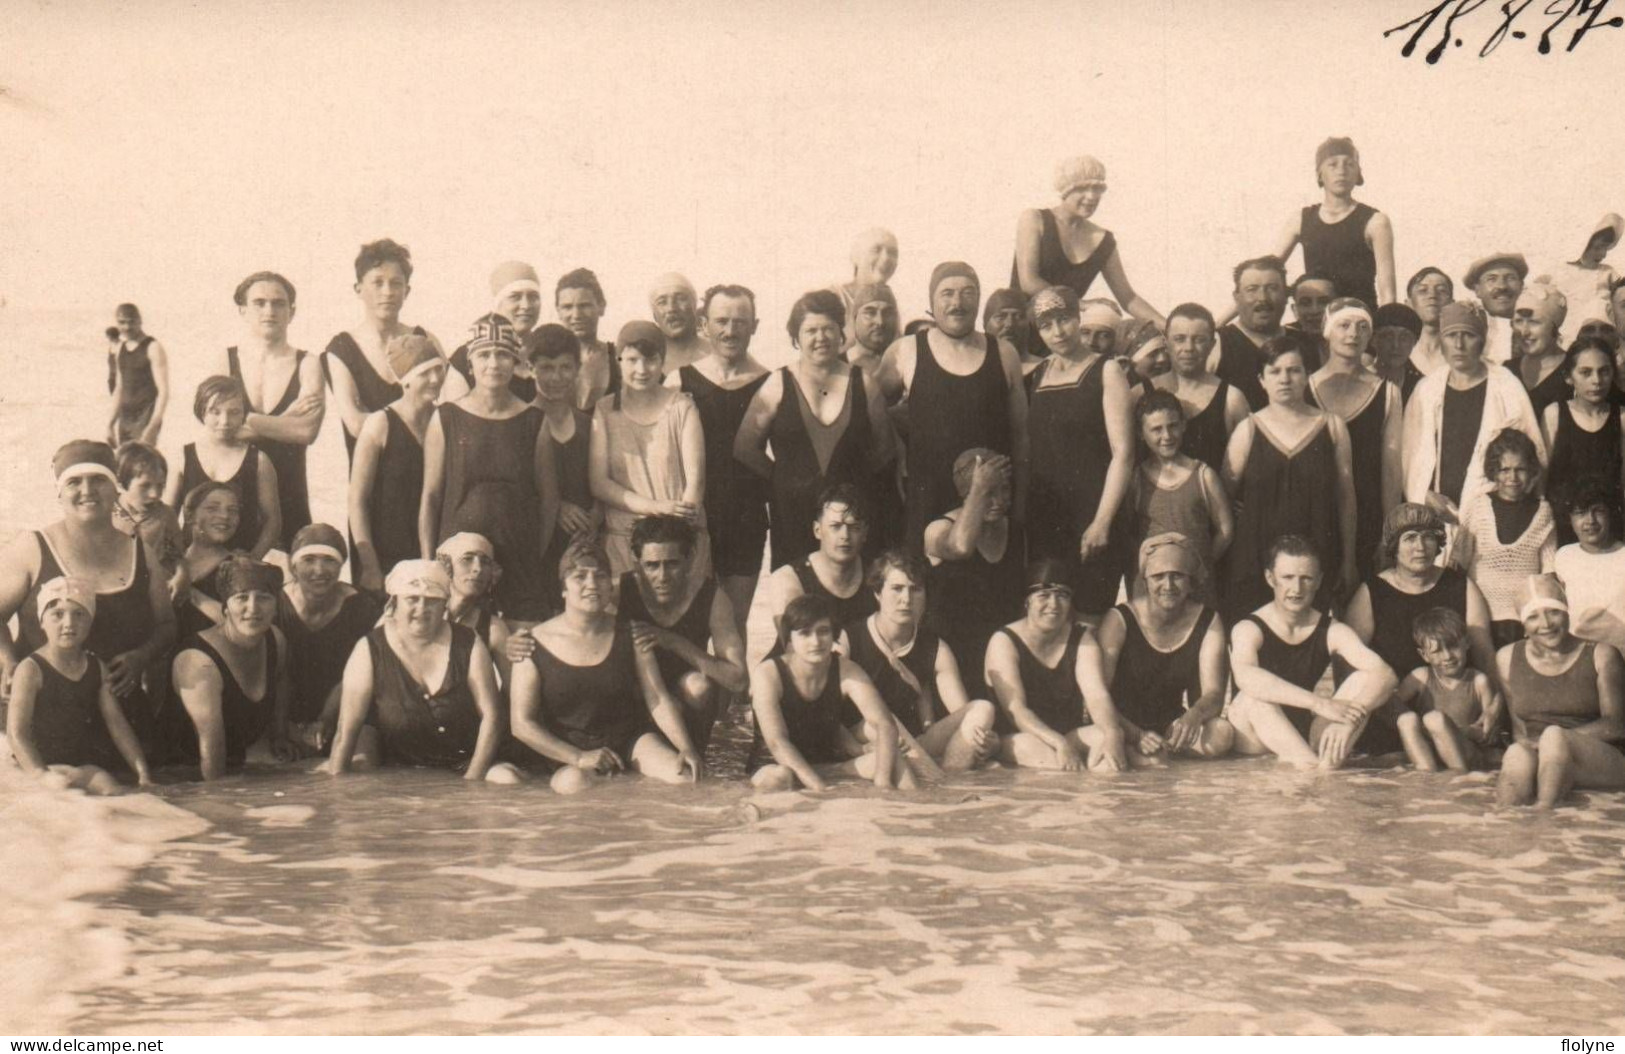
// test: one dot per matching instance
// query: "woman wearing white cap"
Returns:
(388, 712)
(231, 682)
(62, 720)
(137, 623)
(1567, 700)
(1374, 412)
(1061, 245)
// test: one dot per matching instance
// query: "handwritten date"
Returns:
(1582, 16)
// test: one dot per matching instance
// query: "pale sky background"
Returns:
(158, 151)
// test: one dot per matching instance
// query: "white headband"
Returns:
(1346, 309)
(1535, 604)
(87, 468)
(316, 549)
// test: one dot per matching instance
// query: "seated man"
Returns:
(915, 672)
(1280, 652)
(1164, 657)
(678, 621)
(835, 570)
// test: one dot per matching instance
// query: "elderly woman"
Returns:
(231, 681)
(1290, 469)
(1163, 656)
(591, 701)
(135, 623)
(390, 715)
(1567, 700)
(1061, 245)
(827, 426)
(1046, 671)
(915, 671)
(487, 468)
(1395, 331)
(1374, 413)
(386, 465)
(647, 456)
(357, 362)
(470, 563)
(802, 700)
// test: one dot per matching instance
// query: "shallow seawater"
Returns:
(1230, 897)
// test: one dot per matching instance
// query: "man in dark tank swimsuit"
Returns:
(1279, 654)
(835, 570)
(1213, 407)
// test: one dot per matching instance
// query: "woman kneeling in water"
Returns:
(456, 726)
(591, 701)
(799, 699)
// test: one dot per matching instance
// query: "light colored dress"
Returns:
(647, 460)
(1586, 291)
(1595, 583)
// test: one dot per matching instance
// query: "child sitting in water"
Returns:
(1509, 533)
(1448, 706)
(63, 722)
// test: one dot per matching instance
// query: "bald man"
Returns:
(874, 258)
(516, 295)
(674, 307)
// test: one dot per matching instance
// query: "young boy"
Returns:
(142, 475)
(63, 722)
(1452, 703)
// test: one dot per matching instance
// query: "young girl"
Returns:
(1448, 706)
(211, 517)
(222, 455)
(1172, 491)
(1593, 568)
(1507, 534)
(63, 722)
(1583, 433)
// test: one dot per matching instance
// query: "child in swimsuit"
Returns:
(63, 722)
(1449, 707)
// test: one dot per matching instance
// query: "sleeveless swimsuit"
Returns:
(1152, 687)
(814, 725)
(293, 490)
(1052, 692)
(735, 497)
(417, 727)
(597, 706)
(809, 456)
(1302, 664)
(245, 481)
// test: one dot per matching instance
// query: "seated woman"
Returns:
(1567, 700)
(1043, 669)
(916, 672)
(389, 715)
(799, 699)
(62, 721)
(323, 619)
(1163, 654)
(209, 519)
(221, 455)
(588, 699)
(231, 681)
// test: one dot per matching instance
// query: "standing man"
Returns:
(964, 390)
(579, 302)
(874, 326)
(1310, 295)
(1348, 241)
(1428, 291)
(1497, 281)
(1213, 406)
(674, 307)
(1260, 302)
(284, 386)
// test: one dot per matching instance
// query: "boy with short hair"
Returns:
(1448, 706)
(143, 473)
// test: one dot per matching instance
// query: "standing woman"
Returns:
(722, 386)
(487, 470)
(648, 451)
(1290, 469)
(1348, 241)
(1082, 441)
(1061, 246)
(1583, 431)
(138, 380)
(388, 711)
(826, 426)
(231, 681)
(356, 361)
(386, 465)
(135, 623)
(1374, 413)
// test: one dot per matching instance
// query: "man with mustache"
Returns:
(1497, 281)
(964, 390)
(674, 307)
(1260, 302)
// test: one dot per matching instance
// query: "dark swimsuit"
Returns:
(949, 413)
(1051, 692)
(735, 497)
(861, 604)
(397, 490)
(694, 626)
(900, 699)
(371, 390)
(813, 725)
(598, 706)
(245, 482)
(245, 720)
(293, 490)
(1071, 455)
(317, 657)
(1152, 687)
(970, 599)
(1206, 434)
(138, 395)
(809, 456)
(1577, 453)
(570, 469)
(1338, 251)
(1302, 664)
(68, 728)
(417, 727)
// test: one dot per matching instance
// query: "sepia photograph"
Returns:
(916, 518)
